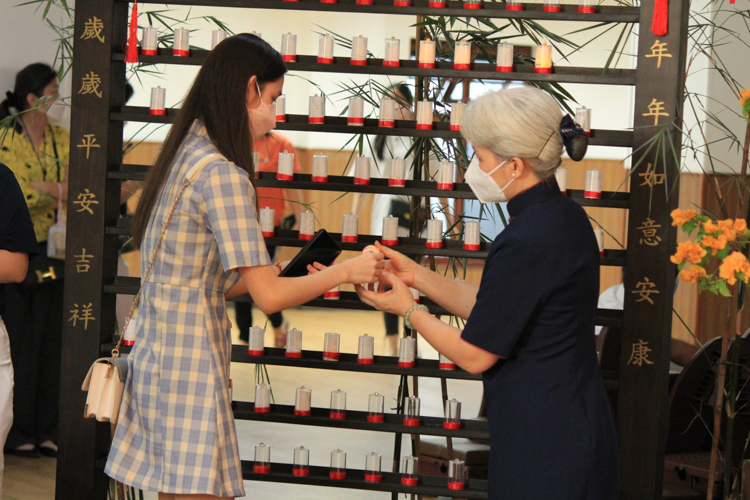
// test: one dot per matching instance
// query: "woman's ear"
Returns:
(31, 100)
(251, 93)
(517, 167)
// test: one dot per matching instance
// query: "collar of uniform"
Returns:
(536, 194)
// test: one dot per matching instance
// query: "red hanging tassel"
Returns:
(131, 55)
(731, 1)
(661, 18)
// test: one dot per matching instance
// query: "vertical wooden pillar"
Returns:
(643, 411)
(98, 85)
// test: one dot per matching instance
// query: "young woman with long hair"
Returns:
(176, 433)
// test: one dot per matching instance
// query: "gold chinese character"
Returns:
(640, 354)
(651, 178)
(83, 315)
(90, 84)
(645, 289)
(659, 49)
(656, 109)
(88, 142)
(86, 200)
(82, 261)
(649, 228)
(93, 29)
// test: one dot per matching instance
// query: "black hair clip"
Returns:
(574, 137)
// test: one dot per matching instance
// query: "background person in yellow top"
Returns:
(37, 153)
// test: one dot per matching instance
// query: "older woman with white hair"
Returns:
(530, 323)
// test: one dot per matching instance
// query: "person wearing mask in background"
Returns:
(287, 205)
(36, 151)
(17, 243)
(387, 147)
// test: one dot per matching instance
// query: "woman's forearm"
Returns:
(456, 297)
(13, 266)
(57, 190)
(446, 339)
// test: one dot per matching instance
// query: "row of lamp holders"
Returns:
(409, 475)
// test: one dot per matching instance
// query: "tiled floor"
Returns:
(33, 479)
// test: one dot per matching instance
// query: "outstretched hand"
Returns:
(399, 264)
(397, 300)
(366, 268)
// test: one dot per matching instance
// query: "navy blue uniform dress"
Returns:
(552, 433)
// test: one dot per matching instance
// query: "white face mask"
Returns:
(56, 112)
(262, 118)
(483, 185)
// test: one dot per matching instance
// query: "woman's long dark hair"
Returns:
(401, 93)
(30, 80)
(217, 97)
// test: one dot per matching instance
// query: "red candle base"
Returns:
(397, 182)
(128, 342)
(268, 234)
(424, 126)
(513, 7)
(331, 356)
(412, 422)
(298, 471)
(446, 366)
(316, 178)
(358, 62)
(337, 415)
(592, 195)
(364, 2)
(291, 0)
(543, 70)
(376, 418)
(262, 409)
(402, 3)
(149, 52)
(587, 10)
(328, 1)
(406, 364)
(551, 8)
(386, 124)
(361, 182)
(349, 239)
(331, 295)
(255, 353)
(338, 475)
(289, 58)
(316, 119)
(325, 60)
(301, 413)
(436, 5)
(295, 355)
(392, 64)
(456, 485)
(461, 66)
(306, 237)
(455, 128)
(504, 69)
(564, 191)
(261, 469)
(157, 112)
(452, 425)
(601, 253)
(446, 186)
(474, 6)
(280, 118)
(373, 478)
(180, 53)
(365, 361)
(469, 246)
(409, 481)
(588, 133)
(355, 121)
(426, 65)
(434, 244)
(389, 243)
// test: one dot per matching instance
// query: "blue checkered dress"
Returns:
(176, 432)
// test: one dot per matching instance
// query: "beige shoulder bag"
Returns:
(104, 389)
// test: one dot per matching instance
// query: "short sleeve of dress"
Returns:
(513, 286)
(229, 202)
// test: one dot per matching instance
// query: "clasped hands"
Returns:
(394, 278)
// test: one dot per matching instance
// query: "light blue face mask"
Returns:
(483, 185)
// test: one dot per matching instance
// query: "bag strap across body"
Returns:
(189, 176)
